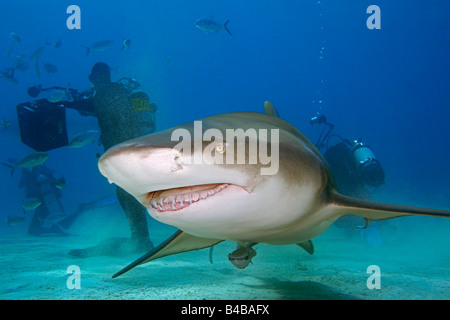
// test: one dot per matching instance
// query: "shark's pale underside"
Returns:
(210, 203)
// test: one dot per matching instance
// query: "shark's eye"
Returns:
(220, 148)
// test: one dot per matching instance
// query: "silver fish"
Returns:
(209, 25)
(31, 203)
(83, 139)
(58, 96)
(30, 161)
(14, 221)
(126, 44)
(99, 46)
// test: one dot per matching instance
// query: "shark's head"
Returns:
(210, 184)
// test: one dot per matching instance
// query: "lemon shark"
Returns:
(210, 202)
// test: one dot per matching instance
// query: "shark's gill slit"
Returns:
(178, 198)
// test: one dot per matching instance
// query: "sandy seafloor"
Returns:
(414, 260)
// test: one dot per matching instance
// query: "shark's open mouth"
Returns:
(179, 198)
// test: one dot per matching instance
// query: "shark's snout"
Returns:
(133, 166)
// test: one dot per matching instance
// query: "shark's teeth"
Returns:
(179, 198)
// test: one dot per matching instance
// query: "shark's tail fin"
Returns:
(225, 26)
(343, 205)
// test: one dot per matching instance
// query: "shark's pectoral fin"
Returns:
(179, 242)
(342, 205)
(307, 246)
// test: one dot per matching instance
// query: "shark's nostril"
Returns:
(177, 160)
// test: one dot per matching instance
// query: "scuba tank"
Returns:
(144, 111)
(369, 168)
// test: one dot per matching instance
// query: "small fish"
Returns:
(126, 44)
(21, 63)
(30, 161)
(8, 75)
(15, 37)
(14, 221)
(6, 123)
(31, 203)
(99, 46)
(58, 44)
(56, 96)
(59, 95)
(83, 139)
(209, 25)
(50, 68)
(60, 183)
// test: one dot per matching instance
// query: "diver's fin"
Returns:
(177, 243)
(225, 26)
(270, 109)
(307, 246)
(343, 205)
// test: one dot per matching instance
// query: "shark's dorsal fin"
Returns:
(179, 242)
(307, 246)
(270, 109)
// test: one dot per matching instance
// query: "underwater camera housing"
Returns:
(369, 168)
(42, 125)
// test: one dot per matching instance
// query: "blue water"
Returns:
(389, 86)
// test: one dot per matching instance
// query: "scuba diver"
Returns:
(353, 163)
(122, 113)
(40, 183)
(355, 169)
